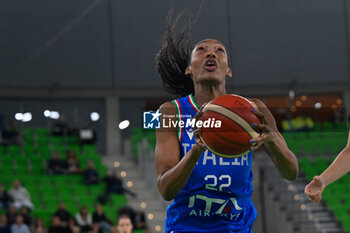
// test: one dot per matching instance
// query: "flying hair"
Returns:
(175, 54)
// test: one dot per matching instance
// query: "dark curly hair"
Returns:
(174, 56)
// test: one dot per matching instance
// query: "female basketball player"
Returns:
(211, 194)
(337, 169)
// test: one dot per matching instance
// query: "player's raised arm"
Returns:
(172, 172)
(274, 143)
(337, 169)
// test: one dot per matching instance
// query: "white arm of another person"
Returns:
(339, 167)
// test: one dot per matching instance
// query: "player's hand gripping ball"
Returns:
(226, 125)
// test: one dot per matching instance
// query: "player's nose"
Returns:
(210, 55)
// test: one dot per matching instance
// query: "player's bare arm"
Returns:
(337, 169)
(172, 172)
(274, 143)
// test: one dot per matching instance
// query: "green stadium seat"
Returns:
(345, 221)
(328, 127)
(340, 212)
(137, 131)
(36, 161)
(288, 136)
(52, 206)
(36, 195)
(307, 146)
(28, 140)
(13, 150)
(100, 187)
(80, 189)
(3, 179)
(6, 160)
(75, 148)
(95, 192)
(29, 150)
(6, 170)
(345, 200)
(46, 191)
(20, 159)
(83, 161)
(310, 172)
(102, 170)
(301, 136)
(44, 151)
(304, 162)
(42, 140)
(60, 180)
(49, 197)
(321, 146)
(111, 213)
(57, 141)
(45, 181)
(61, 150)
(21, 169)
(71, 206)
(345, 183)
(64, 193)
(317, 126)
(42, 131)
(75, 180)
(118, 200)
(294, 146)
(139, 231)
(2, 150)
(43, 214)
(29, 181)
(38, 169)
(335, 146)
(320, 162)
(73, 141)
(95, 158)
(27, 131)
(87, 201)
(89, 149)
(340, 126)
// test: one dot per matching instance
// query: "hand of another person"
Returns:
(315, 189)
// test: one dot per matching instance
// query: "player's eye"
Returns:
(221, 50)
(200, 49)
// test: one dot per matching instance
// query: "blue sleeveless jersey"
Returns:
(217, 196)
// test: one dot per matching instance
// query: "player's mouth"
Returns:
(210, 65)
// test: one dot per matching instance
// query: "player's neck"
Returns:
(205, 93)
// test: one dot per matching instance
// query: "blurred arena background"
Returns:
(71, 71)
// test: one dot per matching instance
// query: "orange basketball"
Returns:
(231, 138)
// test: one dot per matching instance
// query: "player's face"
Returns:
(209, 62)
(124, 225)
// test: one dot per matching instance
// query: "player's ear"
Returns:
(188, 70)
(229, 72)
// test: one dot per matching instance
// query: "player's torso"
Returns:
(218, 189)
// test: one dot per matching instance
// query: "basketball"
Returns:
(231, 138)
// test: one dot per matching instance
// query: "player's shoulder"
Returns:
(168, 108)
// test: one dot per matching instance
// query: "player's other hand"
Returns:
(315, 189)
(264, 129)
